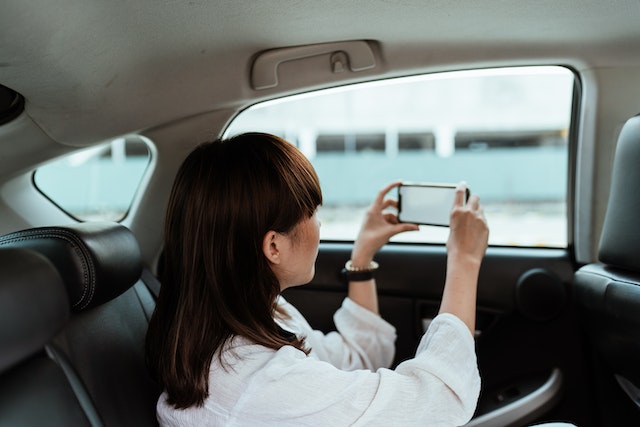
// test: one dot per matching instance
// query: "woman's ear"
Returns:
(271, 247)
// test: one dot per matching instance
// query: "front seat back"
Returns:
(37, 388)
(608, 293)
(101, 264)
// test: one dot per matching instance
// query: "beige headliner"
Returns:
(93, 69)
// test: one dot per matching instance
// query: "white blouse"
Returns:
(344, 380)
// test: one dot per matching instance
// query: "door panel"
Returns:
(526, 325)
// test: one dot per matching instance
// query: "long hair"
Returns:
(216, 281)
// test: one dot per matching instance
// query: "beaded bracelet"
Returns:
(359, 274)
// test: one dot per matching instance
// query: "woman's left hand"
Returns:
(378, 227)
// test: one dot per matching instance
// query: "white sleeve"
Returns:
(445, 368)
(363, 339)
(439, 387)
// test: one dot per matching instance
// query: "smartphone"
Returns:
(427, 204)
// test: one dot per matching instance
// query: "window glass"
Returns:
(503, 131)
(98, 183)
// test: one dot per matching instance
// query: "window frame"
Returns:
(139, 189)
(572, 138)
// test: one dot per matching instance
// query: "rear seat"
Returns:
(101, 266)
(36, 386)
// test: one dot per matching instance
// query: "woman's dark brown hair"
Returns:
(216, 281)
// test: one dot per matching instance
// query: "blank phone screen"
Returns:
(426, 204)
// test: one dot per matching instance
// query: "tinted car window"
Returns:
(99, 183)
(503, 131)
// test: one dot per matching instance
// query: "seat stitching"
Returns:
(88, 271)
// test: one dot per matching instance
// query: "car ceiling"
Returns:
(94, 69)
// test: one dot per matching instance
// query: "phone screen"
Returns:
(428, 204)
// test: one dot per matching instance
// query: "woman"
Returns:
(227, 349)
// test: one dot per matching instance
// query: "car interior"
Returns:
(534, 104)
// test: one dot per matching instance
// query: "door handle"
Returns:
(632, 391)
(525, 409)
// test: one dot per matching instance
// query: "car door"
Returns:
(507, 133)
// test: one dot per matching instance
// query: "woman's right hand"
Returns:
(468, 240)
(469, 232)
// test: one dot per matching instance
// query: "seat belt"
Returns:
(152, 282)
(147, 290)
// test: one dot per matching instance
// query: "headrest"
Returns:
(33, 304)
(620, 239)
(97, 260)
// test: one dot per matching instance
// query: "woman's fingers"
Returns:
(474, 202)
(380, 197)
(389, 203)
(390, 218)
(461, 191)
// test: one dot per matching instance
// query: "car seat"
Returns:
(608, 292)
(100, 264)
(37, 385)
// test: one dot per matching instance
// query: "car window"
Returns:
(98, 183)
(503, 131)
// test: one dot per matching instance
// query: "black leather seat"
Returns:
(37, 386)
(608, 293)
(100, 264)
